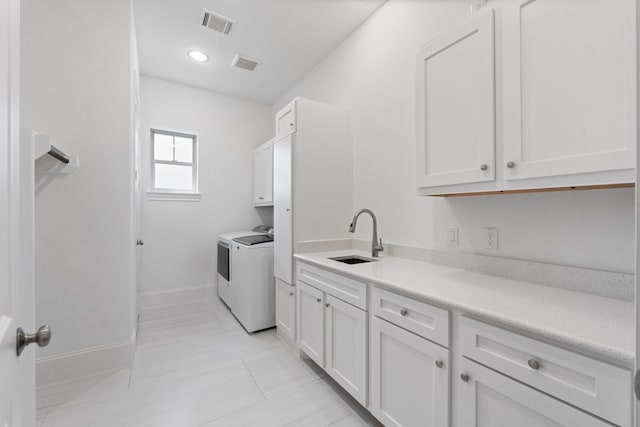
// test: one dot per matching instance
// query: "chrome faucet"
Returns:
(375, 247)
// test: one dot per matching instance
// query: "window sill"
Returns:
(173, 197)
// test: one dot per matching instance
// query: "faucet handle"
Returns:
(380, 248)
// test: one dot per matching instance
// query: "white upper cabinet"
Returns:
(557, 111)
(286, 120)
(263, 175)
(455, 106)
(569, 87)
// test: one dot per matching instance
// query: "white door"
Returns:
(455, 110)
(282, 209)
(409, 378)
(569, 87)
(137, 191)
(17, 375)
(488, 398)
(346, 347)
(310, 322)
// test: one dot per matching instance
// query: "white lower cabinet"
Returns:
(333, 334)
(286, 310)
(409, 378)
(489, 399)
(426, 366)
(310, 324)
(346, 346)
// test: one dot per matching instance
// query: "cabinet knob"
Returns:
(465, 377)
(290, 294)
(404, 312)
(288, 210)
(484, 167)
(439, 363)
(261, 198)
(511, 165)
(327, 305)
(318, 299)
(291, 124)
(533, 364)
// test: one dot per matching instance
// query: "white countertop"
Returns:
(592, 323)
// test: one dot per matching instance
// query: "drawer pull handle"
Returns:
(404, 312)
(439, 363)
(533, 364)
(465, 377)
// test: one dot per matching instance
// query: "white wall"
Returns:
(76, 87)
(372, 73)
(180, 237)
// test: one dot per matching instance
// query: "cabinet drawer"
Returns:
(592, 385)
(423, 319)
(348, 290)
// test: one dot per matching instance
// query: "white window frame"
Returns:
(169, 193)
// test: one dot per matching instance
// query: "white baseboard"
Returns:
(70, 366)
(178, 296)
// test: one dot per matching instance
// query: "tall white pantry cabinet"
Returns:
(312, 190)
(529, 95)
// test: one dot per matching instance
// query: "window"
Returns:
(174, 167)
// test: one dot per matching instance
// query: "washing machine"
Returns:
(224, 261)
(252, 286)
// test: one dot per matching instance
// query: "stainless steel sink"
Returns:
(352, 259)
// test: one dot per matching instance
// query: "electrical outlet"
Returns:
(491, 238)
(452, 236)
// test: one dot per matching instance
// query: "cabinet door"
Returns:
(346, 347)
(266, 159)
(285, 309)
(310, 322)
(258, 174)
(286, 120)
(282, 210)
(263, 174)
(569, 87)
(409, 378)
(488, 398)
(455, 106)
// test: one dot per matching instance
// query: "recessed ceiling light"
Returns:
(198, 55)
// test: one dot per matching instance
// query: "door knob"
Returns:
(140, 242)
(42, 338)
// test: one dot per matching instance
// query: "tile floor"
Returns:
(195, 366)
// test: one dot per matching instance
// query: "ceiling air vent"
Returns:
(216, 22)
(245, 63)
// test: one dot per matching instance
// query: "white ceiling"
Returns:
(288, 37)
